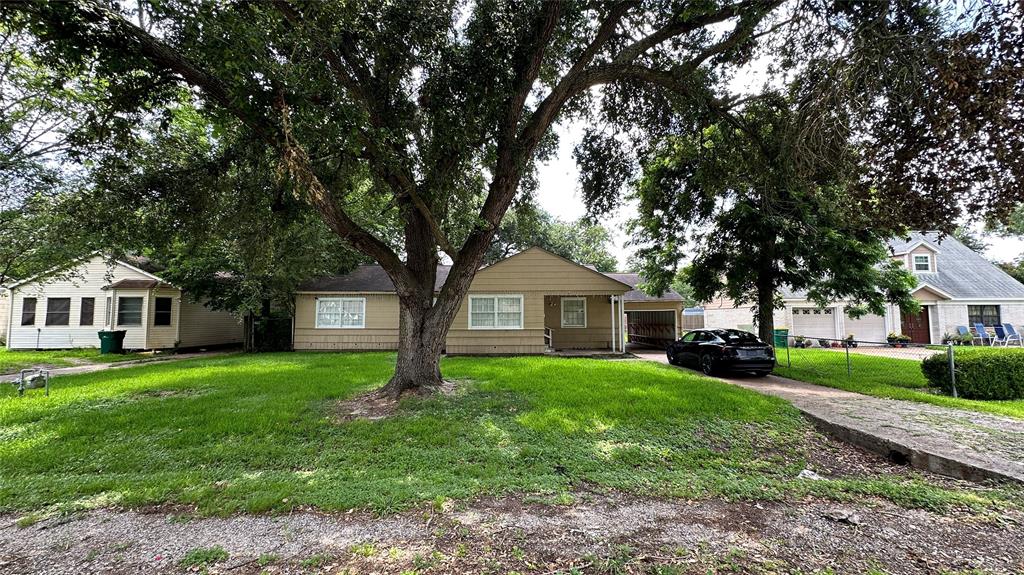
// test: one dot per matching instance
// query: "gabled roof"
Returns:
(632, 280)
(74, 263)
(962, 272)
(367, 278)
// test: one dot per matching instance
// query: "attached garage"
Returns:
(866, 328)
(655, 328)
(813, 322)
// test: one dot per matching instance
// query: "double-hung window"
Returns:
(162, 311)
(341, 312)
(984, 314)
(923, 263)
(87, 311)
(495, 312)
(574, 312)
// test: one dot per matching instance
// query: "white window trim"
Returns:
(522, 312)
(316, 312)
(913, 263)
(562, 312)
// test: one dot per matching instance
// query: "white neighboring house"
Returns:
(66, 312)
(956, 287)
(5, 311)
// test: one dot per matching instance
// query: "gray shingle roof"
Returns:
(370, 278)
(961, 272)
(632, 280)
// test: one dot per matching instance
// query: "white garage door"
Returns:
(867, 328)
(812, 322)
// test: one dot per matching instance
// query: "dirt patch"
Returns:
(599, 533)
(374, 405)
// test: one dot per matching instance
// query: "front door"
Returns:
(916, 326)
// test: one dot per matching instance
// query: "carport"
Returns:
(656, 328)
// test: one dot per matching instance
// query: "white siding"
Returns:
(200, 326)
(163, 336)
(88, 281)
(5, 310)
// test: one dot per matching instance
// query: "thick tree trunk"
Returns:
(765, 312)
(420, 343)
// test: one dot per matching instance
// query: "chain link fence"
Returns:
(893, 362)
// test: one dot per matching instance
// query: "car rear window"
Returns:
(738, 337)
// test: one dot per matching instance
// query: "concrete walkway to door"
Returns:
(954, 442)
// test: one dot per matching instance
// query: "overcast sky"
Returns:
(559, 194)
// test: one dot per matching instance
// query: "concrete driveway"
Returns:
(954, 442)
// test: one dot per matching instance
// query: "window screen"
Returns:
(574, 312)
(28, 311)
(162, 311)
(129, 311)
(58, 311)
(85, 315)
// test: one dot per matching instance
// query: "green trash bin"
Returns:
(781, 337)
(112, 341)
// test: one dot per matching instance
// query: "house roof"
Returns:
(367, 278)
(964, 273)
(961, 273)
(632, 280)
(373, 278)
(138, 284)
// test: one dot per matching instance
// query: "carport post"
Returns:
(950, 355)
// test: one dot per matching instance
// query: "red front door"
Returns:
(916, 326)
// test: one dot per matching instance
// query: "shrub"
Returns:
(981, 373)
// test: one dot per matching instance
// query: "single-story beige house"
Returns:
(67, 310)
(529, 303)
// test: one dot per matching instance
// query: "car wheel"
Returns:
(707, 364)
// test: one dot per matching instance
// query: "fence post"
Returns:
(952, 366)
(788, 362)
(848, 370)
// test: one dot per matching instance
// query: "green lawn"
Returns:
(13, 361)
(881, 377)
(258, 433)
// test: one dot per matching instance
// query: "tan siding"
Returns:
(163, 336)
(597, 334)
(381, 331)
(537, 270)
(201, 326)
(925, 294)
(87, 281)
(921, 251)
(530, 339)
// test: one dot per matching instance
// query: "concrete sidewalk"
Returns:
(953, 442)
(91, 367)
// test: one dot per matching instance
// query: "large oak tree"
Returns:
(441, 107)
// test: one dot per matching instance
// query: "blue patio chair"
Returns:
(982, 333)
(963, 330)
(1000, 337)
(1012, 335)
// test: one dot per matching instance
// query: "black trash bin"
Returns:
(112, 341)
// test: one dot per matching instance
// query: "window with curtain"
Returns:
(340, 312)
(574, 312)
(162, 311)
(58, 311)
(984, 314)
(129, 311)
(85, 315)
(28, 311)
(496, 312)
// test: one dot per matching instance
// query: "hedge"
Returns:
(981, 373)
